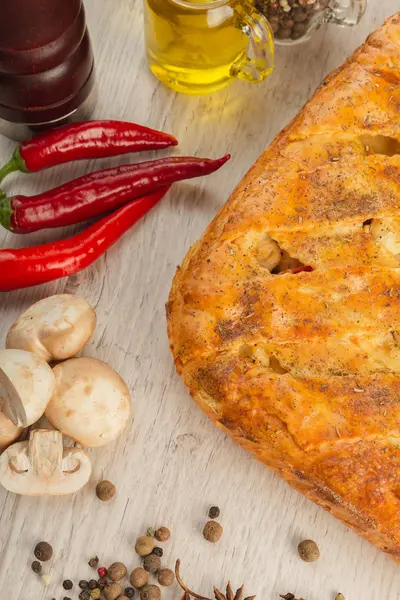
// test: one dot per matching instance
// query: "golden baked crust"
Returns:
(302, 368)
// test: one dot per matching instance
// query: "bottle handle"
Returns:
(256, 63)
(346, 12)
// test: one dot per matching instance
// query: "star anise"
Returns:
(229, 595)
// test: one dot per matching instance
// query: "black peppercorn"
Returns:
(43, 551)
(102, 582)
(158, 551)
(94, 562)
(93, 584)
(67, 584)
(84, 595)
(83, 584)
(129, 592)
(214, 512)
(36, 566)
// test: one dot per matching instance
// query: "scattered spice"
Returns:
(92, 584)
(339, 597)
(94, 562)
(105, 490)
(102, 582)
(218, 595)
(46, 579)
(83, 584)
(150, 592)
(287, 596)
(116, 571)
(163, 534)
(43, 551)
(66, 598)
(214, 512)
(102, 572)
(84, 595)
(95, 594)
(152, 563)
(166, 577)
(158, 551)
(212, 531)
(145, 545)
(36, 566)
(129, 592)
(151, 532)
(308, 551)
(67, 584)
(112, 591)
(123, 597)
(139, 577)
(290, 19)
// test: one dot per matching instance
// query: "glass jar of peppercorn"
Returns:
(293, 21)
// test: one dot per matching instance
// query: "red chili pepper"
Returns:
(97, 193)
(26, 267)
(91, 139)
(302, 269)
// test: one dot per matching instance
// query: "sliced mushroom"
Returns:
(55, 328)
(26, 385)
(43, 467)
(8, 432)
(91, 403)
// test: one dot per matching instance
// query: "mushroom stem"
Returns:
(45, 452)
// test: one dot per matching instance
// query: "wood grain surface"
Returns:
(172, 464)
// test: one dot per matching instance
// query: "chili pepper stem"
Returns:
(5, 211)
(8, 168)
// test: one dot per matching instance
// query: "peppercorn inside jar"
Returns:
(293, 21)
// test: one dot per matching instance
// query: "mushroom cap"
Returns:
(26, 385)
(8, 432)
(55, 328)
(91, 403)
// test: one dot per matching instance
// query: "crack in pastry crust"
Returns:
(302, 368)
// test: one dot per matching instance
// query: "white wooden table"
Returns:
(173, 464)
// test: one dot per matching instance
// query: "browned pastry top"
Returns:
(301, 367)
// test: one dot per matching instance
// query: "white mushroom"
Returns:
(43, 466)
(26, 385)
(91, 403)
(8, 432)
(55, 328)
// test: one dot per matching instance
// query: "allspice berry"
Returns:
(308, 551)
(212, 531)
(116, 571)
(105, 491)
(166, 577)
(163, 534)
(152, 563)
(145, 545)
(139, 578)
(112, 591)
(150, 592)
(43, 551)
